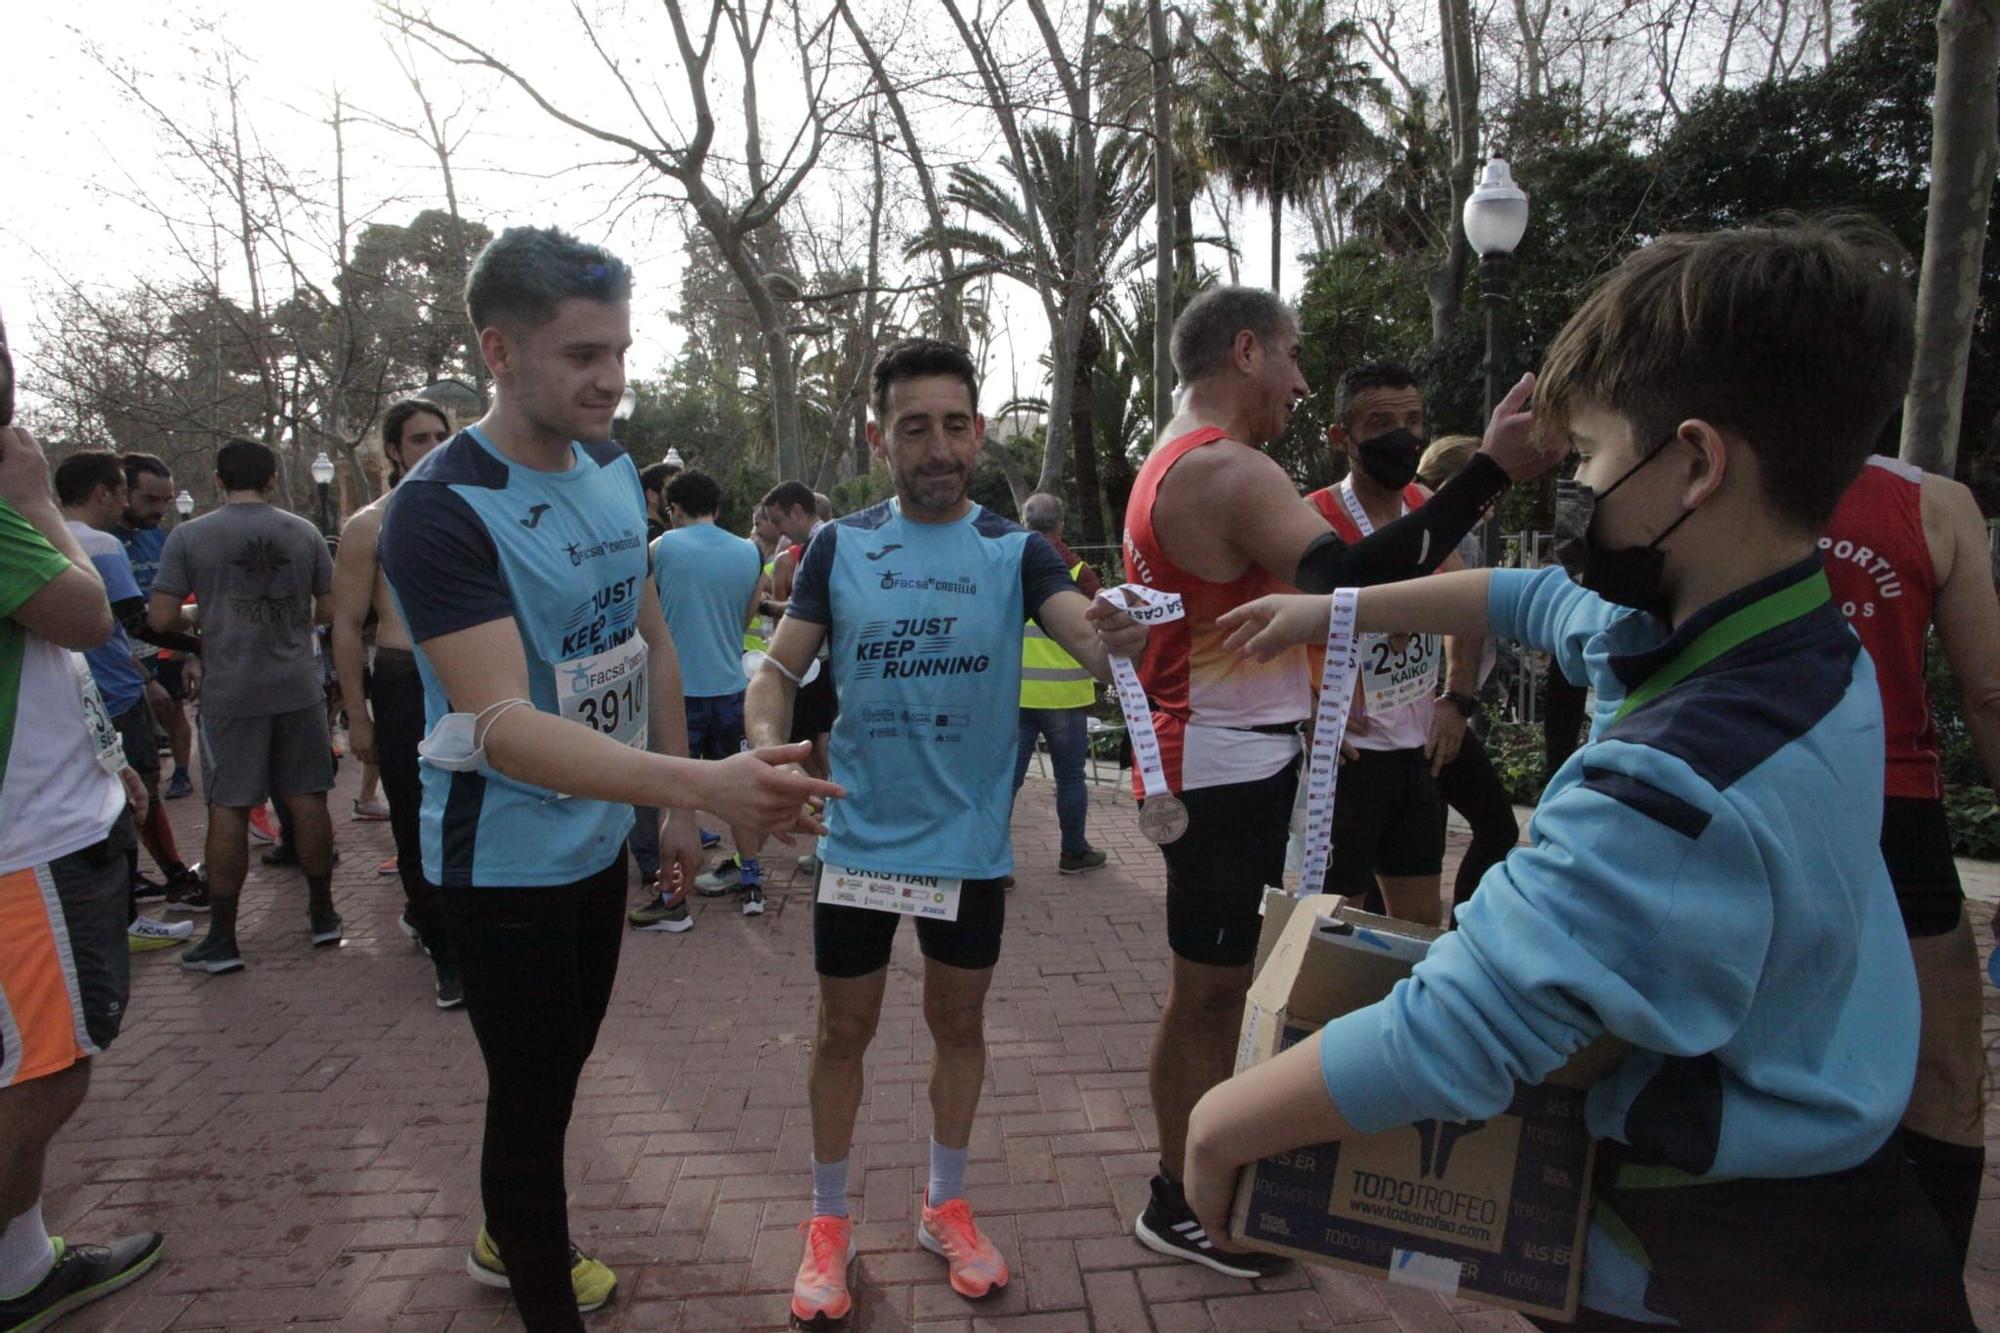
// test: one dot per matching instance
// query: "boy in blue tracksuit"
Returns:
(1703, 882)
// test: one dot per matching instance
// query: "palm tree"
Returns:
(1007, 245)
(1280, 101)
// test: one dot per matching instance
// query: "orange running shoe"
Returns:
(820, 1297)
(976, 1267)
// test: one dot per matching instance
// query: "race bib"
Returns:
(607, 692)
(104, 737)
(1393, 677)
(930, 896)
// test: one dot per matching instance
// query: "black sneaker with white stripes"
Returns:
(1169, 1227)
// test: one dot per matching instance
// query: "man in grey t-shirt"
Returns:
(262, 580)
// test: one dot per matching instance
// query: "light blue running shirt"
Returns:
(925, 621)
(706, 575)
(470, 538)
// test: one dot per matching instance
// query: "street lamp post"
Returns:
(322, 475)
(184, 504)
(1496, 217)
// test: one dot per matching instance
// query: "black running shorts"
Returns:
(1218, 870)
(854, 941)
(1916, 844)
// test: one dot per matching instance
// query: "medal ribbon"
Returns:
(1155, 608)
(1336, 686)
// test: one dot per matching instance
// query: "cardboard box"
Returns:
(1492, 1210)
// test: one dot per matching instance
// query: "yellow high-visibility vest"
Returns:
(1050, 677)
(753, 630)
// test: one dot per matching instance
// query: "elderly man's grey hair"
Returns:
(1042, 513)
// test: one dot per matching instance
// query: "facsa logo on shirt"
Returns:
(963, 585)
(579, 553)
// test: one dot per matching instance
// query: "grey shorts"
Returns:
(65, 972)
(245, 759)
(141, 736)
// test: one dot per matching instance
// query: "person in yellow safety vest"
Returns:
(764, 532)
(1056, 697)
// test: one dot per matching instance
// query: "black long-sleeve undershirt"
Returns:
(131, 613)
(1414, 544)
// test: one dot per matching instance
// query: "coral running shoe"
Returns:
(976, 1267)
(820, 1298)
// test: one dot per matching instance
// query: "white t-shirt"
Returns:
(1394, 665)
(56, 797)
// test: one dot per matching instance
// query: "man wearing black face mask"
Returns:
(1388, 833)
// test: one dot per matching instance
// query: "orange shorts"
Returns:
(64, 969)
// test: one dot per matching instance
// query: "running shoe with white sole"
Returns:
(212, 956)
(83, 1273)
(820, 1298)
(594, 1283)
(663, 914)
(753, 900)
(975, 1269)
(144, 934)
(328, 931)
(1169, 1227)
(179, 785)
(261, 827)
(722, 879)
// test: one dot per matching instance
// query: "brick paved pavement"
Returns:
(307, 1132)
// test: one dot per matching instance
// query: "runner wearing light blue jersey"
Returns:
(516, 553)
(471, 536)
(922, 598)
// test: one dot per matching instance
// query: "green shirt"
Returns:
(28, 563)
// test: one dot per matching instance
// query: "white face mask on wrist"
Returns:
(457, 743)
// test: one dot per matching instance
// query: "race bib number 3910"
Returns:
(607, 692)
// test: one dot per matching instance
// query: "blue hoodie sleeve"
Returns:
(1635, 914)
(1546, 610)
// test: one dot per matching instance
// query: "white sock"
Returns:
(26, 1256)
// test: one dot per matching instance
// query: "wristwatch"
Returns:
(1468, 705)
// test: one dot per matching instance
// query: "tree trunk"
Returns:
(1461, 82)
(1083, 439)
(1965, 152)
(1184, 237)
(951, 302)
(1277, 241)
(1017, 480)
(1166, 204)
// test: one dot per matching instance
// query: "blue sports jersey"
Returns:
(706, 575)
(142, 548)
(925, 621)
(118, 677)
(470, 538)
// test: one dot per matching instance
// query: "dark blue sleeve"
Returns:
(440, 560)
(811, 600)
(1043, 573)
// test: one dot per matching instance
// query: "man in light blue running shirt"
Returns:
(517, 554)
(923, 598)
(708, 579)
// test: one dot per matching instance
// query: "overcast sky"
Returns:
(81, 154)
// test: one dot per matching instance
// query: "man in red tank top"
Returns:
(1214, 519)
(1906, 551)
(1388, 828)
